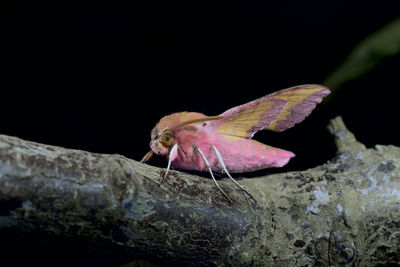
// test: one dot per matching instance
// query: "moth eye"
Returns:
(167, 139)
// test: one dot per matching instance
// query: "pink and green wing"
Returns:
(277, 112)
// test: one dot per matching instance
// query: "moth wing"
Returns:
(277, 111)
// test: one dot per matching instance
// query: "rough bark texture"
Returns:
(345, 212)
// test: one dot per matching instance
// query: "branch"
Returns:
(342, 212)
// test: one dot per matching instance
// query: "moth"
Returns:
(223, 143)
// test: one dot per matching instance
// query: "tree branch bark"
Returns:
(343, 212)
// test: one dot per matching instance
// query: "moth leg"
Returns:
(222, 164)
(212, 175)
(172, 155)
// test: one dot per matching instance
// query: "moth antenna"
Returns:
(147, 156)
(194, 121)
(222, 164)
(171, 157)
(212, 175)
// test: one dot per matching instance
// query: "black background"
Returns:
(98, 76)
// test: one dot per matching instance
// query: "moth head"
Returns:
(161, 141)
(163, 135)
